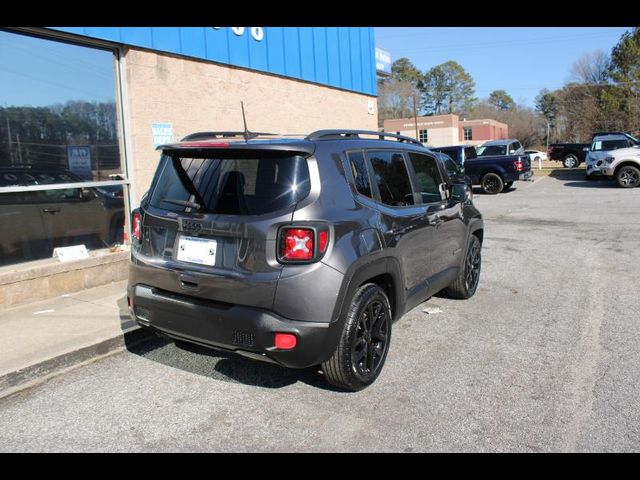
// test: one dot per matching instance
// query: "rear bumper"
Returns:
(233, 327)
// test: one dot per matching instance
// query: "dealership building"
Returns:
(82, 110)
(445, 130)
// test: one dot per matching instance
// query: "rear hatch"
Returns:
(210, 221)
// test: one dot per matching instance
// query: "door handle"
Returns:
(51, 210)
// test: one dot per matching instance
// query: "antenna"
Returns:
(247, 134)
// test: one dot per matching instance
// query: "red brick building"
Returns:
(443, 130)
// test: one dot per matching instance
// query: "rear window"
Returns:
(491, 150)
(252, 184)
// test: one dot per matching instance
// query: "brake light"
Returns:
(519, 165)
(297, 244)
(136, 225)
(302, 244)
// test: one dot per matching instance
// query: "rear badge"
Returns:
(190, 226)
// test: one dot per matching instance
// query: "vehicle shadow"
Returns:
(207, 362)
(592, 184)
(225, 366)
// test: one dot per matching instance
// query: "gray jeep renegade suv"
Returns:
(301, 251)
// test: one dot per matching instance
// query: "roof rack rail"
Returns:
(350, 134)
(214, 135)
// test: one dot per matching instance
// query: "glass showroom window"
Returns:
(424, 136)
(61, 175)
(468, 133)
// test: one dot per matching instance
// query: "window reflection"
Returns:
(58, 125)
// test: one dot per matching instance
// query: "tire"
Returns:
(466, 283)
(628, 176)
(537, 159)
(351, 368)
(492, 183)
(570, 161)
(507, 186)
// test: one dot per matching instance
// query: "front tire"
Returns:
(628, 176)
(364, 343)
(466, 283)
(492, 183)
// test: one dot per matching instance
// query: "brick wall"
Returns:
(200, 96)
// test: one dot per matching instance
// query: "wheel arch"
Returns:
(626, 163)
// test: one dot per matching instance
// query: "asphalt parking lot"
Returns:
(543, 358)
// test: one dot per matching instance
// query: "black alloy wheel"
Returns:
(492, 183)
(363, 346)
(472, 266)
(468, 278)
(370, 341)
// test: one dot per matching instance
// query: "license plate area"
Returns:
(201, 251)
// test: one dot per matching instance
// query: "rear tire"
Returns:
(492, 183)
(466, 283)
(364, 343)
(570, 161)
(628, 176)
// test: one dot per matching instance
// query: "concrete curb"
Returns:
(33, 375)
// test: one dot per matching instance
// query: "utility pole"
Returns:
(6, 115)
(415, 117)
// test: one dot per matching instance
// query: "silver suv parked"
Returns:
(301, 251)
(615, 156)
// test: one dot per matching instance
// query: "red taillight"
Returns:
(302, 243)
(285, 341)
(297, 244)
(323, 241)
(519, 164)
(136, 225)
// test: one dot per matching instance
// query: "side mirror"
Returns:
(460, 192)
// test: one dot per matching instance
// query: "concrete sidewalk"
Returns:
(41, 339)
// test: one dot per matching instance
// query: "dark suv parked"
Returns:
(300, 251)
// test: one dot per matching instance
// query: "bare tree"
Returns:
(591, 68)
(395, 99)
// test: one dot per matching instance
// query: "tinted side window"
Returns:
(428, 177)
(469, 153)
(360, 174)
(451, 167)
(452, 152)
(392, 178)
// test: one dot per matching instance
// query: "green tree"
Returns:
(501, 100)
(624, 69)
(547, 105)
(403, 69)
(448, 88)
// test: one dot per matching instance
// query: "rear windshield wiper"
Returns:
(183, 203)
